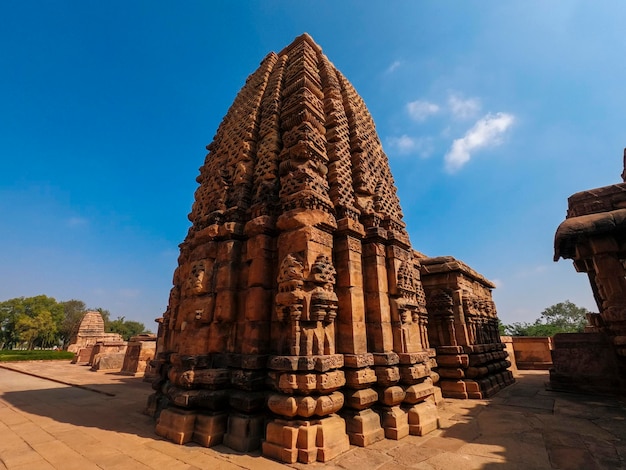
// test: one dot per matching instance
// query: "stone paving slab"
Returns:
(93, 420)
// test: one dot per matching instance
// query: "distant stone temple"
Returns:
(593, 235)
(90, 331)
(301, 319)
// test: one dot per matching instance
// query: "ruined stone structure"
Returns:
(139, 353)
(593, 235)
(90, 331)
(463, 327)
(108, 355)
(297, 321)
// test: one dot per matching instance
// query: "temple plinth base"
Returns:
(209, 429)
(306, 441)
(476, 371)
(245, 432)
(176, 425)
(363, 427)
(395, 422)
(423, 418)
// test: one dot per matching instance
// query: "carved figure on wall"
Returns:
(290, 302)
(198, 280)
(323, 307)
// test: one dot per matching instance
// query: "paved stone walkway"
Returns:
(97, 424)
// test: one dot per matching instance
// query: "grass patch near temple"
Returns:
(11, 355)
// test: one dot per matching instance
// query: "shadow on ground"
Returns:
(525, 426)
(114, 406)
(522, 427)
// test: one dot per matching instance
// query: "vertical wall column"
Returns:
(380, 333)
(362, 423)
(305, 371)
(610, 276)
(246, 423)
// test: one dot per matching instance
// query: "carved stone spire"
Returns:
(296, 279)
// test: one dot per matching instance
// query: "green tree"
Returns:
(106, 316)
(126, 329)
(31, 321)
(564, 317)
(39, 330)
(73, 312)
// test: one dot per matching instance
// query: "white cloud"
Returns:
(487, 132)
(393, 66)
(420, 110)
(404, 143)
(463, 108)
(407, 145)
(498, 283)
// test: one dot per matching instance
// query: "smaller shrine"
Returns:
(90, 331)
(463, 328)
(593, 236)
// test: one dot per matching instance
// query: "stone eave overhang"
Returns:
(448, 264)
(575, 229)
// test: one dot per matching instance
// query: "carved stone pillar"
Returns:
(362, 423)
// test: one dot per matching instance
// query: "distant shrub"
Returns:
(11, 355)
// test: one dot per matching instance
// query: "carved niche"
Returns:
(306, 307)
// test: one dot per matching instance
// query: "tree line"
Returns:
(42, 322)
(564, 317)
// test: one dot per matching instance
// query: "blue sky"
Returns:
(492, 113)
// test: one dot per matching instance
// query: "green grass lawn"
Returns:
(8, 355)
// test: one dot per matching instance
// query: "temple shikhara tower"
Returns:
(298, 321)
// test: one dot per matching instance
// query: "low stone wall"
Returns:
(508, 347)
(83, 355)
(586, 362)
(477, 371)
(533, 352)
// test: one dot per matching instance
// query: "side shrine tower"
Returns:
(297, 320)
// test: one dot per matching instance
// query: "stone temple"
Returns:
(593, 235)
(299, 321)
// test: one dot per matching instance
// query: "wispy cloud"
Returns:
(129, 293)
(77, 221)
(487, 132)
(404, 143)
(461, 108)
(533, 271)
(420, 109)
(393, 67)
(422, 146)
